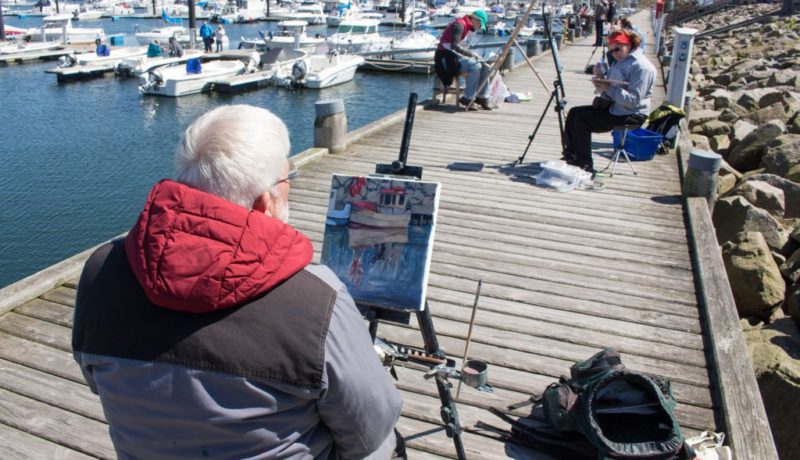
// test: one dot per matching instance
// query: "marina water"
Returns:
(77, 160)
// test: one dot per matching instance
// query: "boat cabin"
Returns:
(358, 27)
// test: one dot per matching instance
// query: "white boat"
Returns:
(14, 32)
(358, 36)
(343, 12)
(251, 11)
(292, 35)
(22, 47)
(311, 13)
(419, 45)
(163, 34)
(137, 65)
(87, 15)
(175, 81)
(319, 71)
(415, 16)
(115, 56)
(59, 26)
(391, 210)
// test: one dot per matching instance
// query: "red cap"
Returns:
(620, 38)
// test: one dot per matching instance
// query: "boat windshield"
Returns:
(56, 23)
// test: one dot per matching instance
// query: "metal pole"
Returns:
(2, 24)
(192, 24)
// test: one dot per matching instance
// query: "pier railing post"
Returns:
(330, 125)
(702, 176)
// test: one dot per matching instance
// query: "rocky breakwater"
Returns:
(746, 107)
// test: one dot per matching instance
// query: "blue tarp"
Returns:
(169, 19)
(194, 66)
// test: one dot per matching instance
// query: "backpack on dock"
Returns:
(603, 411)
(664, 120)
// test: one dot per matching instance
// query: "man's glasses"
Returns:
(289, 177)
(614, 50)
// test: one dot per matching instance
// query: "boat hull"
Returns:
(175, 82)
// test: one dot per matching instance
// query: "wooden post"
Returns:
(330, 125)
(702, 176)
(2, 25)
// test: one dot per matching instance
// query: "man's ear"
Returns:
(265, 203)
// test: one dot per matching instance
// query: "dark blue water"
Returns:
(78, 159)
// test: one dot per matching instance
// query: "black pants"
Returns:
(207, 43)
(584, 120)
(598, 31)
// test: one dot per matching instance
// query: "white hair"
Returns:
(236, 152)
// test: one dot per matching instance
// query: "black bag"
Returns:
(601, 103)
(606, 412)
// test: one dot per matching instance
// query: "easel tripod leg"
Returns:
(553, 95)
(448, 411)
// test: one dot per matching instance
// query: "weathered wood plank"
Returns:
(48, 389)
(59, 426)
(19, 445)
(746, 424)
(44, 358)
(56, 313)
(62, 294)
(37, 330)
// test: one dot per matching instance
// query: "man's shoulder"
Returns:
(325, 275)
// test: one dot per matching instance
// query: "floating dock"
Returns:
(244, 82)
(80, 73)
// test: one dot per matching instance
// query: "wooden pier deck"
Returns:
(564, 275)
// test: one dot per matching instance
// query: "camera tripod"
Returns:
(557, 95)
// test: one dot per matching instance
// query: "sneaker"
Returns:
(466, 103)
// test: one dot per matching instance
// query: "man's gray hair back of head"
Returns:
(236, 152)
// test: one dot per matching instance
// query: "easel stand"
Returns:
(433, 355)
(558, 94)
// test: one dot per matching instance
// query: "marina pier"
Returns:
(632, 266)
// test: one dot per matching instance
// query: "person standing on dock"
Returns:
(625, 93)
(208, 333)
(453, 58)
(219, 36)
(207, 35)
(600, 17)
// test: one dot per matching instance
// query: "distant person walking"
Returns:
(219, 36)
(600, 16)
(207, 35)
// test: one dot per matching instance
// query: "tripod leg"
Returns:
(541, 119)
(448, 411)
(628, 159)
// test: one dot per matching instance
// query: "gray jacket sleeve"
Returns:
(361, 404)
(639, 80)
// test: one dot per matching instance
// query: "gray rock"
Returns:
(699, 141)
(729, 116)
(763, 196)
(789, 78)
(791, 192)
(790, 268)
(757, 285)
(734, 214)
(794, 124)
(712, 128)
(740, 130)
(776, 111)
(719, 143)
(699, 117)
(780, 158)
(747, 154)
(774, 350)
(722, 99)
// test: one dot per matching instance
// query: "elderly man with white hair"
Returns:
(207, 333)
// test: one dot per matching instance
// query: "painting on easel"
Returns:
(379, 238)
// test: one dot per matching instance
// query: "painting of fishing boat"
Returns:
(379, 238)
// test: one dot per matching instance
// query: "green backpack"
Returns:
(606, 412)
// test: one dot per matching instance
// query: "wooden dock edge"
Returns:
(744, 420)
(27, 289)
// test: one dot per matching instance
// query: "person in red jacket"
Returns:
(453, 57)
(206, 331)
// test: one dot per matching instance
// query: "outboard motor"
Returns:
(67, 61)
(299, 71)
(153, 79)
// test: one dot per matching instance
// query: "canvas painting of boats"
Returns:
(379, 238)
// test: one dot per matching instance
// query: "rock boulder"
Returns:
(734, 214)
(755, 278)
